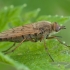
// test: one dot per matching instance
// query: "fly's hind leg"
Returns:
(15, 47)
(7, 51)
(9, 48)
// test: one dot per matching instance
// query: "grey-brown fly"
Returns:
(32, 32)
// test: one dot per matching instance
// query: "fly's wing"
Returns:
(30, 31)
(19, 31)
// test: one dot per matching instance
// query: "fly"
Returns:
(32, 32)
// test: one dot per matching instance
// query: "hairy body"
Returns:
(30, 32)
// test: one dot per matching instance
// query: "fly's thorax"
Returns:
(41, 24)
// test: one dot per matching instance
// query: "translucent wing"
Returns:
(19, 31)
(30, 32)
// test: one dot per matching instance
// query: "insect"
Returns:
(34, 32)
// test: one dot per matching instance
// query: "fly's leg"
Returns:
(15, 47)
(5, 52)
(56, 37)
(48, 51)
(46, 48)
(9, 48)
(62, 42)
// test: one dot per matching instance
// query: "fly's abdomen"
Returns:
(3, 39)
(0, 39)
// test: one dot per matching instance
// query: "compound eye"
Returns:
(57, 28)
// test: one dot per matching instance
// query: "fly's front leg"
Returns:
(56, 37)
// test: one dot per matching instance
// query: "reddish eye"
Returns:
(57, 28)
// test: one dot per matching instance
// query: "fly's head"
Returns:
(56, 27)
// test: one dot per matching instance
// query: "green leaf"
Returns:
(30, 16)
(56, 18)
(10, 15)
(5, 59)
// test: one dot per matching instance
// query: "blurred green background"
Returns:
(48, 7)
